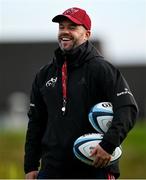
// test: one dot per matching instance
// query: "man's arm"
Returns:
(116, 91)
(36, 127)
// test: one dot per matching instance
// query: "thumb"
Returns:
(93, 152)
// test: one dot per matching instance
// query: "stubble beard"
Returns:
(72, 47)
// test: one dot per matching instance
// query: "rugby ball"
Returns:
(100, 116)
(84, 145)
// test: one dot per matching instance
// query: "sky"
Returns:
(119, 24)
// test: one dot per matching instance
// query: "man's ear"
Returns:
(88, 33)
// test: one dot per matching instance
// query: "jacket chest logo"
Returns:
(51, 82)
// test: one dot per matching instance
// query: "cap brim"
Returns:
(59, 18)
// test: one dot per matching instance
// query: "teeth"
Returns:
(65, 39)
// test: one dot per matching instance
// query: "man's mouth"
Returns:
(66, 42)
(65, 39)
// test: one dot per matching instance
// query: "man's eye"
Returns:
(72, 27)
(61, 27)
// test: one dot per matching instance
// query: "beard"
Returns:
(67, 43)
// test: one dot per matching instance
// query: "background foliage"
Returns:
(132, 163)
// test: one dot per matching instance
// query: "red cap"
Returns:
(76, 15)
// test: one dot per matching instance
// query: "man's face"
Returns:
(71, 35)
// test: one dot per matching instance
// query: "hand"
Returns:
(102, 158)
(31, 175)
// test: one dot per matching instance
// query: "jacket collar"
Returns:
(77, 56)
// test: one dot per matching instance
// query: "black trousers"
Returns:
(73, 174)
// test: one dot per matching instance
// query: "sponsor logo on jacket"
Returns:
(51, 82)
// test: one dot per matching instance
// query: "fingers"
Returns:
(101, 157)
(101, 161)
(31, 175)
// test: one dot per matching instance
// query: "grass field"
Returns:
(132, 163)
(11, 155)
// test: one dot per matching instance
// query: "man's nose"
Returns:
(65, 30)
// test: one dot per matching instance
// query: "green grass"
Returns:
(132, 162)
(11, 154)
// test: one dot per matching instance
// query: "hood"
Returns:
(77, 56)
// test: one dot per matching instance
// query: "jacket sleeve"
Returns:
(36, 126)
(124, 107)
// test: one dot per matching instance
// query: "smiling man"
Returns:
(63, 92)
(74, 28)
(71, 35)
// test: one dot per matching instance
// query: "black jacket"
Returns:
(91, 80)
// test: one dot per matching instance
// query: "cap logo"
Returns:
(71, 11)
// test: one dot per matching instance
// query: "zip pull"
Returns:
(64, 106)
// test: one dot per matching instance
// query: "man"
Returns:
(63, 93)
